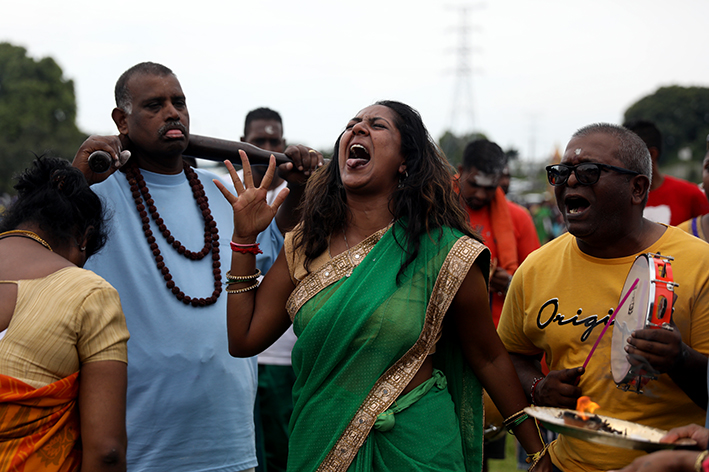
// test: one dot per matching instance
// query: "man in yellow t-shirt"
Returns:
(563, 294)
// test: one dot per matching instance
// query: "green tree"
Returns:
(453, 145)
(681, 114)
(512, 154)
(37, 112)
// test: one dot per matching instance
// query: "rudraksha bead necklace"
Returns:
(211, 234)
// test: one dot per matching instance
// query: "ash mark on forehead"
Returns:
(486, 180)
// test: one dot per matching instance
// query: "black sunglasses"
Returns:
(587, 173)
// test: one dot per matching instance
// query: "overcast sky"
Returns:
(542, 68)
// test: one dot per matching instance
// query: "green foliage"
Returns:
(509, 463)
(37, 112)
(681, 114)
(512, 154)
(453, 146)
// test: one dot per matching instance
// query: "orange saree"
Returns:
(39, 427)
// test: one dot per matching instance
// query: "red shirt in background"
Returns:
(675, 201)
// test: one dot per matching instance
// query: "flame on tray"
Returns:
(585, 407)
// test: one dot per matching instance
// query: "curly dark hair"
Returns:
(424, 202)
(56, 196)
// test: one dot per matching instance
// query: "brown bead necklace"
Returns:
(211, 234)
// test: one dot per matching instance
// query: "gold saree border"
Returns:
(332, 271)
(390, 385)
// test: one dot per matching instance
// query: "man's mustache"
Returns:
(172, 125)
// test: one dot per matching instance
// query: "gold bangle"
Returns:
(700, 459)
(512, 417)
(515, 420)
(234, 282)
(242, 278)
(242, 290)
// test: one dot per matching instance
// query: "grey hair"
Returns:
(632, 151)
(124, 101)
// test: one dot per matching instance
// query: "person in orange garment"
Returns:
(63, 353)
(507, 228)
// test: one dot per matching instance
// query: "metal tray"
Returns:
(631, 436)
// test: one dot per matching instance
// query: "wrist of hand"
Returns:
(243, 240)
(535, 384)
(682, 357)
(296, 183)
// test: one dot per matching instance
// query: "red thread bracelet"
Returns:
(246, 248)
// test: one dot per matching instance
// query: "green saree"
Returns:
(361, 338)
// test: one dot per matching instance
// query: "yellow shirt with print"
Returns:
(558, 303)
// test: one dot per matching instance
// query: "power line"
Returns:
(463, 107)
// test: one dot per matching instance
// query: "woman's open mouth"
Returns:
(358, 156)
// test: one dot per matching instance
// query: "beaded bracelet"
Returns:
(252, 248)
(242, 290)
(535, 382)
(241, 278)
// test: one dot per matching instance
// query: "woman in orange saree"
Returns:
(62, 331)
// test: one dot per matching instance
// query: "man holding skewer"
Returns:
(564, 294)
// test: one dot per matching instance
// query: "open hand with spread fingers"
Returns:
(252, 213)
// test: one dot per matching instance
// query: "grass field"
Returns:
(509, 463)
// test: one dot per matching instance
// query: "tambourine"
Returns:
(648, 306)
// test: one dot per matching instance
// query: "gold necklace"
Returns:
(21, 233)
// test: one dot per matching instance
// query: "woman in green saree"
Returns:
(385, 284)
